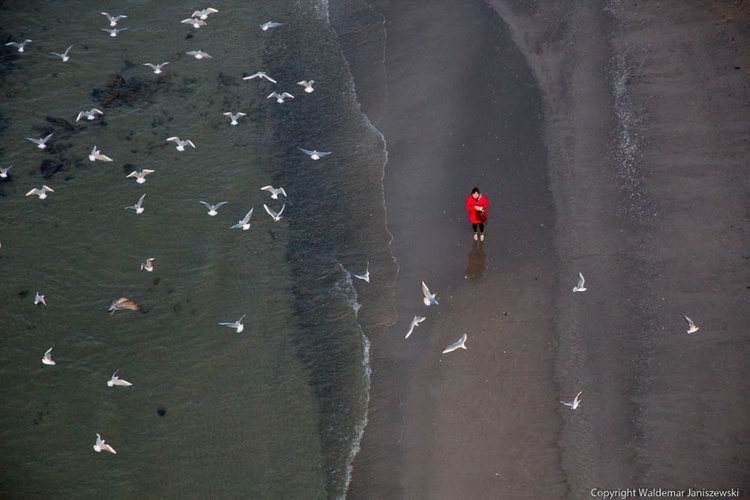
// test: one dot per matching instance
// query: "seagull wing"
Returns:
(270, 211)
(246, 219)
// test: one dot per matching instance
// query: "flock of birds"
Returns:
(197, 20)
(431, 299)
(581, 287)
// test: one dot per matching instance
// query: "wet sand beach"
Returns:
(611, 140)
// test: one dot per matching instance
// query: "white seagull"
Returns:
(212, 209)
(259, 74)
(234, 116)
(89, 115)
(97, 155)
(42, 193)
(580, 286)
(308, 85)
(366, 276)
(47, 359)
(691, 325)
(275, 192)
(148, 266)
(575, 403)
(244, 224)
(315, 154)
(459, 344)
(414, 323)
(115, 380)
(195, 23)
(41, 143)
(102, 445)
(199, 54)
(429, 298)
(140, 177)
(156, 67)
(269, 25)
(114, 31)
(4, 171)
(181, 144)
(203, 14)
(138, 207)
(275, 216)
(237, 325)
(39, 299)
(280, 97)
(64, 56)
(114, 19)
(20, 46)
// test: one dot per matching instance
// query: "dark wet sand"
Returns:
(643, 187)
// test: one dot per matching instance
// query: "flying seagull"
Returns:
(121, 304)
(270, 24)
(308, 85)
(203, 14)
(459, 344)
(39, 299)
(97, 155)
(89, 115)
(580, 286)
(280, 97)
(156, 67)
(114, 31)
(199, 54)
(148, 266)
(41, 143)
(140, 177)
(115, 380)
(42, 193)
(691, 325)
(212, 209)
(259, 74)
(275, 192)
(47, 359)
(138, 207)
(414, 323)
(181, 144)
(366, 276)
(195, 23)
(20, 46)
(114, 19)
(64, 56)
(237, 325)
(101, 445)
(315, 154)
(575, 403)
(234, 116)
(275, 216)
(4, 171)
(429, 298)
(244, 223)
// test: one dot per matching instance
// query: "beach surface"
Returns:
(611, 139)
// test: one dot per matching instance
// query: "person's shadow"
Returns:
(476, 262)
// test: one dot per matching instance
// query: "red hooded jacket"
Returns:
(473, 212)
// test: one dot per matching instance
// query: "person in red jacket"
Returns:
(476, 205)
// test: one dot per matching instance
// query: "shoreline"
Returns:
(437, 151)
(618, 83)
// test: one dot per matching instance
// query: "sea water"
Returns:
(275, 411)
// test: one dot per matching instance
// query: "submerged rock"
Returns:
(48, 168)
